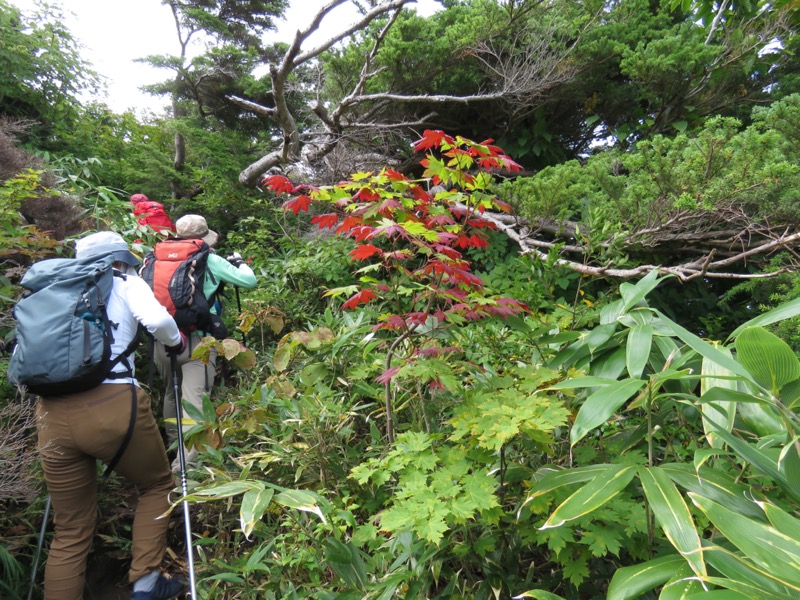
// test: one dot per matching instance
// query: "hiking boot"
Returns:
(164, 589)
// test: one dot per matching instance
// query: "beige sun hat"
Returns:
(194, 227)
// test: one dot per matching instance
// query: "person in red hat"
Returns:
(152, 214)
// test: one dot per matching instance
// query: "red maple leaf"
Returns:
(362, 232)
(478, 241)
(297, 204)
(366, 194)
(364, 251)
(279, 183)
(504, 206)
(394, 175)
(463, 241)
(387, 375)
(420, 194)
(361, 297)
(432, 138)
(326, 220)
(348, 223)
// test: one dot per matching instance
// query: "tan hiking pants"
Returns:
(195, 380)
(75, 431)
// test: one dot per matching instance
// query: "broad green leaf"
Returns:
(538, 595)
(739, 590)
(681, 584)
(609, 365)
(281, 357)
(771, 361)
(742, 574)
(580, 382)
(758, 459)
(715, 485)
(760, 418)
(633, 294)
(779, 313)
(223, 490)
(634, 581)
(789, 464)
(598, 407)
(245, 360)
(772, 550)
(673, 515)
(592, 496)
(790, 394)
(254, 503)
(300, 500)
(346, 561)
(640, 340)
(722, 412)
(705, 349)
(600, 335)
(781, 520)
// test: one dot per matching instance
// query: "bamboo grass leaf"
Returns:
(591, 496)
(673, 516)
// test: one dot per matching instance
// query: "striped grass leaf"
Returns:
(599, 406)
(640, 341)
(592, 496)
(769, 549)
(634, 581)
(673, 516)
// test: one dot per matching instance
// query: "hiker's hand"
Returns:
(177, 349)
(235, 259)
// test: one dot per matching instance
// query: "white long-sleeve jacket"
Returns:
(132, 302)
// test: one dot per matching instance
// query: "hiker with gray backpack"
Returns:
(77, 328)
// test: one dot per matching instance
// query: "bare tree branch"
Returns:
(703, 265)
(522, 78)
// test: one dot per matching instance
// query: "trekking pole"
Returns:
(239, 308)
(39, 545)
(184, 488)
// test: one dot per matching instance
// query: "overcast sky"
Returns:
(115, 32)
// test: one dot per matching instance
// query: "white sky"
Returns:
(115, 32)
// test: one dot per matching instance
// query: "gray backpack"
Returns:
(63, 332)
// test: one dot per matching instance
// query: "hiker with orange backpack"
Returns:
(186, 275)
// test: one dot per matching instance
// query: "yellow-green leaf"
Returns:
(254, 503)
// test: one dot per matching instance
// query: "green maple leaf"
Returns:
(556, 538)
(432, 528)
(479, 488)
(601, 540)
(576, 570)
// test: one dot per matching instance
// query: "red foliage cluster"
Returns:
(416, 234)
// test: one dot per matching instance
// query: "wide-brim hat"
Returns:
(194, 227)
(105, 242)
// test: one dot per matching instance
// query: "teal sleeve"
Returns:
(221, 270)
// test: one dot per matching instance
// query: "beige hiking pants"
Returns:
(195, 380)
(74, 432)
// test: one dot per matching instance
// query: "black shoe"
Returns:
(164, 589)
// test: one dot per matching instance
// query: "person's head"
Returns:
(106, 242)
(194, 227)
(136, 198)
